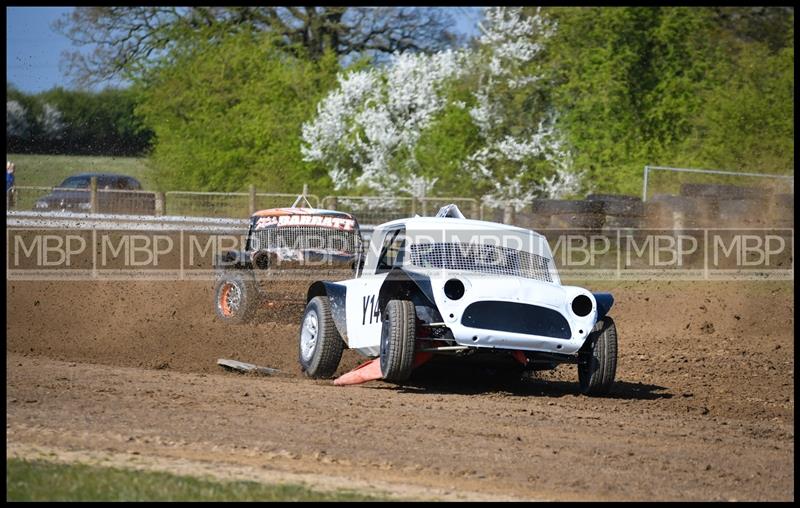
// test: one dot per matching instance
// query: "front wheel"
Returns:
(598, 359)
(398, 335)
(321, 346)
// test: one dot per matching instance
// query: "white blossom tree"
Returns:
(51, 121)
(367, 129)
(523, 156)
(16, 120)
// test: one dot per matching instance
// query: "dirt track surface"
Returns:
(703, 407)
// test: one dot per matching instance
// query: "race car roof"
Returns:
(277, 212)
(425, 223)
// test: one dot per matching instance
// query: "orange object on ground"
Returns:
(520, 357)
(371, 370)
(367, 371)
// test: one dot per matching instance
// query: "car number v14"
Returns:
(374, 314)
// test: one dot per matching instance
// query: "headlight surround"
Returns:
(581, 305)
(454, 289)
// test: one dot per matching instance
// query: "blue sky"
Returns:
(33, 49)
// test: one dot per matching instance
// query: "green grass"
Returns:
(51, 170)
(45, 481)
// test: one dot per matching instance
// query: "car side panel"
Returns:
(363, 311)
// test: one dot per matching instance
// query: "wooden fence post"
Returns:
(93, 194)
(160, 203)
(508, 214)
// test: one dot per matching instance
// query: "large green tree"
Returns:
(127, 41)
(76, 122)
(625, 81)
(228, 114)
(97, 122)
(746, 122)
(701, 87)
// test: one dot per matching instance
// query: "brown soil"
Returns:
(150, 324)
(703, 407)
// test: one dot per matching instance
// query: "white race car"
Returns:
(449, 285)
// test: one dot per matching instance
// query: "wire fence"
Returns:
(369, 209)
(227, 204)
(380, 209)
(662, 180)
(26, 198)
(113, 201)
(372, 209)
(687, 198)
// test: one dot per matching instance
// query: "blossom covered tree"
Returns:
(522, 155)
(367, 130)
(16, 119)
(52, 122)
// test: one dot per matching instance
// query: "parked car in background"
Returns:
(115, 194)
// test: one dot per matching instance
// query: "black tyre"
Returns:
(236, 297)
(320, 345)
(397, 340)
(598, 359)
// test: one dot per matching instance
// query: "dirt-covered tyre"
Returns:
(320, 345)
(236, 297)
(398, 334)
(598, 359)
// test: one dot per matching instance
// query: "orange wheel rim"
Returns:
(223, 300)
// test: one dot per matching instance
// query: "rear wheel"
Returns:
(320, 345)
(598, 359)
(398, 335)
(236, 297)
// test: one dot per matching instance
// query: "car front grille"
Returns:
(516, 318)
(305, 238)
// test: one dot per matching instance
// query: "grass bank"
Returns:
(45, 481)
(50, 170)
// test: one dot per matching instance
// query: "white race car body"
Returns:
(488, 285)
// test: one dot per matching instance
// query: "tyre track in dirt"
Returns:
(703, 407)
(518, 444)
